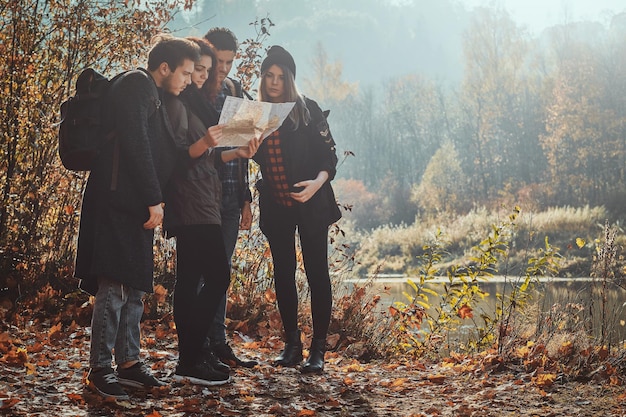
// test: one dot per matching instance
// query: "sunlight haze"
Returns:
(536, 15)
(424, 36)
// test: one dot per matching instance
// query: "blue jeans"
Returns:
(115, 323)
(231, 213)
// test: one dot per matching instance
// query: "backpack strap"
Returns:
(231, 86)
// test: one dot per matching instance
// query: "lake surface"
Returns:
(574, 302)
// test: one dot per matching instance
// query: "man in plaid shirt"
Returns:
(236, 197)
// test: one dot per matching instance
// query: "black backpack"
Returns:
(82, 131)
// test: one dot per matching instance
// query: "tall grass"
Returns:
(398, 248)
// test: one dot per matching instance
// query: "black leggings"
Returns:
(281, 237)
(200, 253)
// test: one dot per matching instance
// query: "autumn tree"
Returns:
(326, 83)
(443, 184)
(43, 45)
(500, 133)
(584, 142)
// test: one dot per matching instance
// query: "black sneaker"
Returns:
(213, 360)
(104, 382)
(138, 376)
(225, 353)
(200, 374)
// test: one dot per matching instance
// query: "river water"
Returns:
(572, 303)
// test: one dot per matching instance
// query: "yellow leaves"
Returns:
(523, 351)
(354, 367)
(397, 384)
(31, 369)
(544, 380)
(580, 242)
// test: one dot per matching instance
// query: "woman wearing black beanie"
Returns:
(297, 162)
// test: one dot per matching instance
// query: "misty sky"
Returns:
(424, 38)
(539, 14)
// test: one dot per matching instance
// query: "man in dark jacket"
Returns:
(121, 207)
(236, 197)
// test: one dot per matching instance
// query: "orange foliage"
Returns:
(544, 380)
(465, 312)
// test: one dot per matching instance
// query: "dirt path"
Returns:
(42, 373)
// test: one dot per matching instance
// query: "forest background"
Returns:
(450, 116)
(496, 121)
(503, 154)
(477, 117)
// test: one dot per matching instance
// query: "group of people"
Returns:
(165, 166)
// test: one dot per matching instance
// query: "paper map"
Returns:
(246, 119)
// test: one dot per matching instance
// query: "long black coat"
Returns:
(306, 151)
(112, 242)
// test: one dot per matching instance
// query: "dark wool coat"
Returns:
(306, 151)
(112, 242)
(194, 195)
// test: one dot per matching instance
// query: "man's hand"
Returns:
(246, 216)
(156, 217)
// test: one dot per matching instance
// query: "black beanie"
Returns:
(278, 55)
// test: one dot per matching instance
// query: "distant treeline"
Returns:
(539, 122)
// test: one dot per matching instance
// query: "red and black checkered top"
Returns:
(274, 170)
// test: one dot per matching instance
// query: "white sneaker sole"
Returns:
(200, 381)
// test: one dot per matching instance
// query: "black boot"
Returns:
(292, 354)
(225, 353)
(315, 361)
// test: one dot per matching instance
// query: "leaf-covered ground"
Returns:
(43, 368)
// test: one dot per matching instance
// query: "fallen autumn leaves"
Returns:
(43, 367)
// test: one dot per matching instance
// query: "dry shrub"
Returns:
(358, 325)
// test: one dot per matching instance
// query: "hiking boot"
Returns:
(315, 362)
(138, 376)
(292, 353)
(104, 382)
(200, 374)
(209, 356)
(225, 353)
